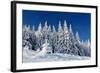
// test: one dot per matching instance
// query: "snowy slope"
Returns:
(36, 56)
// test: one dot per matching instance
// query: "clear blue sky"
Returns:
(80, 22)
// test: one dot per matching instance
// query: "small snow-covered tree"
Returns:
(77, 37)
(46, 48)
(88, 43)
(87, 48)
(33, 28)
(79, 45)
(54, 30)
(40, 28)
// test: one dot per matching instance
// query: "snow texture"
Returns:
(41, 56)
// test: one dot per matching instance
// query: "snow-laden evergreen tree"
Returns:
(49, 34)
(33, 28)
(80, 47)
(49, 37)
(39, 39)
(45, 30)
(38, 32)
(77, 37)
(86, 47)
(87, 42)
(54, 40)
(66, 42)
(61, 40)
(40, 28)
(44, 48)
(60, 31)
(72, 44)
(26, 31)
(32, 39)
(47, 47)
(26, 34)
(66, 31)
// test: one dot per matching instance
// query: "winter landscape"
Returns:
(48, 43)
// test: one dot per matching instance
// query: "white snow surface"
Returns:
(41, 56)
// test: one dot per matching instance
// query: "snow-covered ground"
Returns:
(36, 56)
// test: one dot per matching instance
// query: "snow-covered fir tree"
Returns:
(72, 42)
(54, 40)
(77, 37)
(26, 36)
(67, 41)
(39, 38)
(61, 40)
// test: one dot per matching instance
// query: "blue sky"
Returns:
(80, 22)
